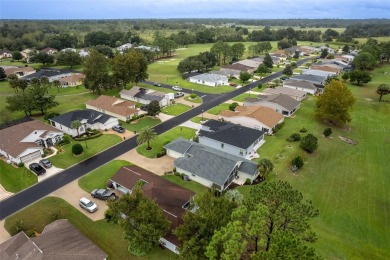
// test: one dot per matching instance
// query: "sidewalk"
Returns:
(4, 236)
(192, 125)
(3, 193)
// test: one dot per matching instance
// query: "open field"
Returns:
(15, 179)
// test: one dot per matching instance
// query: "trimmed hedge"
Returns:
(77, 149)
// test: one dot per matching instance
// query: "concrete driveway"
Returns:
(49, 172)
(4, 194)
(127, 134)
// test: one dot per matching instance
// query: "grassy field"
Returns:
(216, 110)
(141, 123)
(165, 138)
(95, 146)
(15, 179)
(109, 237)
(191, 185)
(349, 184)
(176, 109)
(98, 178)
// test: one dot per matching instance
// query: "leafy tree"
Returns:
(42, 57)
(385, 47)
(260, 85)
(297, 162)
(263, 69)
(244, 76)
(3, 76)
(233, 106)
(382, 90)
(105, 50)
(238, 50)
(364, 61)
(288, 71)
(284, 44)
(37, 94)
(76, 124)
(345, 76)
(77, 149)
(208, 59)
(13, 82)
(360, 77)
(96, 71)
(56, 83)
(154, 108)
(234, 196)
(265, 166)
(16, 55)
(345, 48)
(190, 64)
(296, 55)
(20, 102)
(334, 104)
(222, 51)
(268, 61)
(146, 135)
(45, 82)
(327, 132)
(324, 53)
(22, 84)
(198, 228)
(309, 143)
(144, 223)
(68, 58)
(62, 41)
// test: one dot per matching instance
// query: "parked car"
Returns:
(88, 205)
(157, 84)
(104, 194)
(233, 84)
(118, 128)
(179, 94)
(284, 78)
(177, 88)
(144, 107)
(45, 163)
(37, 169)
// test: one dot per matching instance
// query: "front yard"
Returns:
(145, 122)
(175, 109)
(216, 110)
(95, 146)
(243, 96)
(15, 179)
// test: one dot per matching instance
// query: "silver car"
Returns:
(88, 205)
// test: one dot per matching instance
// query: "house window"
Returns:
(222, 145)
(241, 151)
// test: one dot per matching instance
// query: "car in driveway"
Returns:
(37, 169)
(45, 163)
(177, 88)
(88, 205)
(178, 94)
(144, 107)
(118, 128)
(104, 194)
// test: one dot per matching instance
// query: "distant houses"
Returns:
(212, 80)
(281, 103)
(145, 96)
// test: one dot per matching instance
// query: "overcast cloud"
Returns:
(130, 9)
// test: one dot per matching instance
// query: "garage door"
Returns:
(31, 156)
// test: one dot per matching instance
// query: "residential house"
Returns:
(69, 49)
(256, 117)
(319, 81)
(88, 118)
(254, 64)
(145, 96)
(124, 47)
(26, 53)
(240, 67)
(116, 107)
(335, 70)
(330, 50)
(84, 53)
(280, 54)
(227, 72)
(321, 73)
(18, 71)
(50, 51)
(212, 80)
(148, 48)
(210, 167)
(281, 103)
(5, 54)
(231, 138)
(306, 86)
(59, 240)
(51, 74)
(25, 141)
(307, 50)
(72, 80)
(294, 93)
(173, 199)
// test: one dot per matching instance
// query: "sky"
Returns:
(250, 9)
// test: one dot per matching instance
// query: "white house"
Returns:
(320, 73)
(145, 96)
(5, 54)
(209, 79)
(125, 46)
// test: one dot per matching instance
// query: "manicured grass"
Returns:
(191, 185)
(165, 138)
(348, 184)
(15, 179)
(109, 237)
(95, 146)
(198, 119)
(243, 96)
(216, 110)
(195, 100)
(175, 109)
(141, 123)
(98, 178)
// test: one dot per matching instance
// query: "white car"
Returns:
(177, 88)
(88, 205)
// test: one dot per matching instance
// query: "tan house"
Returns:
(122, 109)
(326, 68)
(257, 117)
(5, 54)
(72, 80)
(26, 53)
(240, 67)
(50, 51)
(294, 93)
(19, 71)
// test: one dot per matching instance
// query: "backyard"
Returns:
(15, 179)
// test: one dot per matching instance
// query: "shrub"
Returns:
(303, 130)
(295, 137)
(174, 169)
(297, 162)
(77, 149)
(327, 132)
(20, 164)
(30, 233)
(161, 154)
(233, 106)
(309, 143)
(248, 181)
(260, 85)
(193, 96)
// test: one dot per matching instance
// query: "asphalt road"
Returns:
(36, 192)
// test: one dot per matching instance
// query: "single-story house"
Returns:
(148, 48)
(50, 51)
(253, 63)
(231, 138)
(319, 81)
(173, 199)
(88, 118)
(145, 96)
(69, 49)
(25, 141)
(330, 50)
(294, 93)
(256, 117)
(227, 72)
(306, 86)
(51, 74)
(26, 53)
(320, 73)
(83, 53)
(59, 240)
(72, 80)
(209, 79)
(327, 68)
(119, 108)
(125, 46)
(281, 103)
(18, 71)
(280, 54)
(208, 166)
(5, 54)
(240, 67)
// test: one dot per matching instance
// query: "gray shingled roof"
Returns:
(178, 145)
(283, 100)
(47, 73)
(209, 77)
(311, 78)
(300, 84)
(143, 93)
(91, 115)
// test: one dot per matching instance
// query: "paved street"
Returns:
(40, 190)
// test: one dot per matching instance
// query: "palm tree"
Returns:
(234, 196)
(265, 166)
(382, 90)
(146, 135)
(57, 84)
(76, 125)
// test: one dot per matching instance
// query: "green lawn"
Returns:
(349, 184)
(175, 109)
(98, 178)
(141, 123)
(198, 119)
(109, 237)
(165, 138)
(191, 185)
(15, 179)
(95, 146)
(243, 96)
(195, 100)
(216, 110)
